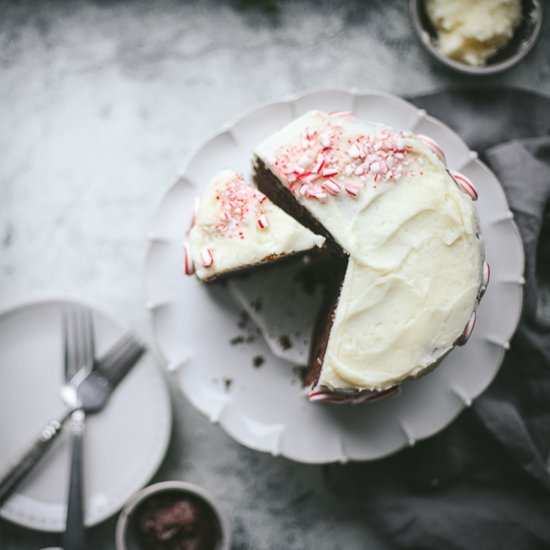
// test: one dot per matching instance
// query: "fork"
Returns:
(79, 353)
(108, 372)
(93, 387)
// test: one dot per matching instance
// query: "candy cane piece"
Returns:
(262, 221)
(188, 260)
(466, 333)
(319, 164)
(207, 258)
(434, 146)
(317, 194)
(331, 187)
(329, 172)
(326, 396)
(351, 189)
(465, 184)
(486, 274)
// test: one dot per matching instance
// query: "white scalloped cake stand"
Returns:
(264, 408)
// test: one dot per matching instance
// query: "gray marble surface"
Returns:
(100, 102)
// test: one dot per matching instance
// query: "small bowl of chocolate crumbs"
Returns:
(173, 515)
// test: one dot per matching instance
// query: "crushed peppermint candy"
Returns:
(237, 202)
(331, 159)
(331, 187)
(351, 189)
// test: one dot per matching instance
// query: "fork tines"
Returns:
(78, 338)
(114, 365)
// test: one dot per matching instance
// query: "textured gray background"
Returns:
(100, 102)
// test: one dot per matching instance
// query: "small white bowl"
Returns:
(519, 46)
(125, 536)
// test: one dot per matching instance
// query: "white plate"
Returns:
(264, 408)
(124, 443)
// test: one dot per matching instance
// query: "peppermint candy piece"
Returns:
(207, 258)
(317, 194)
(351, 189)
(465, 184)
(329, 172)
(434, 146)
(326, 396)
(262, 221)
(341, 113)
(196, 204)
(486, 274)
(189, 264)
(464, 337)
(331, 187)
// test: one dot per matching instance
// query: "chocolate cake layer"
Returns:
(332, 261)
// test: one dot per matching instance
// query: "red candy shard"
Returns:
(331, 187)
(207, 258)
(486, 273)
(351, 189)
(465, 336)
(188, 260)
(262, 221)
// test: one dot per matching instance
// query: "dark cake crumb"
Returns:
(299, 373)
(313, 275)
(256, 304)
(227, 383)
(236, 340)
(243, 319)
(258, 361)
(285, 342)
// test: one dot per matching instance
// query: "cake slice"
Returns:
(236, 227)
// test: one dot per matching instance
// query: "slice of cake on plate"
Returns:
(236, 227)
(407, 245)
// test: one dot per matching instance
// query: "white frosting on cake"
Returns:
(415, 260)
(237, 226)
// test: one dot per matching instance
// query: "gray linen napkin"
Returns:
(484, 482)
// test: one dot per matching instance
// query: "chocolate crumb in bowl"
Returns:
(174, 521)
(173, 515)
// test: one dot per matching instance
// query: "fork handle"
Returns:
(74, 538)
(21, 467)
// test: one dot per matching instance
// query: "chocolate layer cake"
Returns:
(408, 260)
